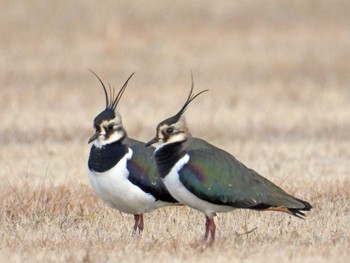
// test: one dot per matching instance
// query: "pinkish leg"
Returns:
(138, 224)
(141, 224)
(207, 222)
(212, 229)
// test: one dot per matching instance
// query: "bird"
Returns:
(121, 170)
(211, 180)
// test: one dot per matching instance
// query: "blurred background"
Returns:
(276, 70)
(279, 100)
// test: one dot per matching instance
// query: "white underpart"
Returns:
(114, 188)
(184, 196)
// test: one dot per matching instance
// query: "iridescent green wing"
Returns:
(217, 177)
(142, 171)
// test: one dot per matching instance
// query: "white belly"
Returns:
(181, 194)
(114, 188)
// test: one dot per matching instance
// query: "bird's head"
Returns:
(108, 123)
(174, 129)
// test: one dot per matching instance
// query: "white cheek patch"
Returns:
(179, 137)
(99, 143)
(114, 137)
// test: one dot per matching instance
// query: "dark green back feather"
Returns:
(216, 176)
(142, 171)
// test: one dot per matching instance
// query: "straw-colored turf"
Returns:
(279, 100)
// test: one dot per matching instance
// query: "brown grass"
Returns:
(279, 100)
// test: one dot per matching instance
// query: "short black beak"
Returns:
(94, 137)
(153, 141)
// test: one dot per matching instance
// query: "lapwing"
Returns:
(211, 180)
(121, 170)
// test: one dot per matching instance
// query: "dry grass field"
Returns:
(279, 100)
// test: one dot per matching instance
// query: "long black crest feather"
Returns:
(190, 97)
(111, 100)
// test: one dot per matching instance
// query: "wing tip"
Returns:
(298, 211)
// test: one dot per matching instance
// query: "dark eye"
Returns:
(110, 126)
(170, 130)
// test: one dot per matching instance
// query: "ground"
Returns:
(279, 101)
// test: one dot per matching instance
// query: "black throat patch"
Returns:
(104, 158)
(167, 156)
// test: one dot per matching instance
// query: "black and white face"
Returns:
(174, 129)
(170, 133)
(171, 130)
(108, 131)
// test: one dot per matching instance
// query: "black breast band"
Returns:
(106, 157)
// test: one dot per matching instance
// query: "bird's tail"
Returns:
(298, 211)
(290, 210)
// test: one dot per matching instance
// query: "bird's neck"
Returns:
(104, 158)
(167, 156)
